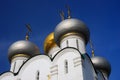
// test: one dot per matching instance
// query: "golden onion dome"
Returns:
(49, 43)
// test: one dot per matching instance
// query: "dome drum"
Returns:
(72, 33)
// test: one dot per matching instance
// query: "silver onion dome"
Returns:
(101, 64)
(23, 47)
(68, 26)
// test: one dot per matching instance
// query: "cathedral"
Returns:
(65, 56)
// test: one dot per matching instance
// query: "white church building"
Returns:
(65, 56)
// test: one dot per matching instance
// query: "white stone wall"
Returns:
(74, 41)
(37, 64)
(16, 63)
(7, 76)
(41, 67)
(74, 65)
(88, 69)
(53, 51)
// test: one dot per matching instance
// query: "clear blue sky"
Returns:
(101, 16)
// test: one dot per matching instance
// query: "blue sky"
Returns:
(101, 16)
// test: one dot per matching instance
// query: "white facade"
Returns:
(68, 64)
(53, 51)
(69, 61)
(16, 63)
